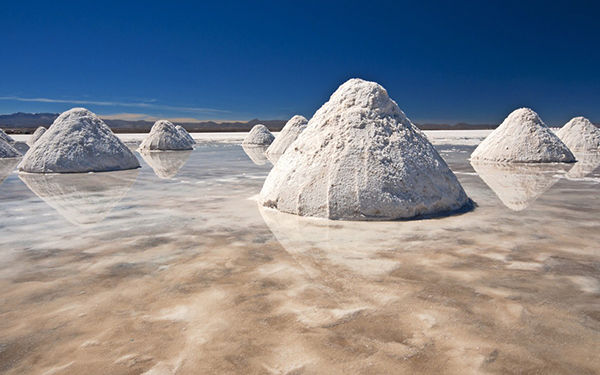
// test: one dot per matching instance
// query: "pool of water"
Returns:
(174, 269)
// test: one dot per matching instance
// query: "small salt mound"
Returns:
(164, 136)
(259, 135)
(523, 138)
(5, 137)
(7, 150)
(580, 135)
(288, 134)
(78, 141)
(36, 135)
(185, 133)
(360, 158)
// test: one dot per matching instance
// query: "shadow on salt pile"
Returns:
(256, 153)
(81, 198)
(7, 166)
(586, 164)
(518, 185)
(166, 164)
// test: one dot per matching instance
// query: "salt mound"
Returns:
(288, 134)
(523, 138)
(580, 135)
(166, 164)
(360, 158)
(185, 133)
(164, 136)
(5, 137)
(78, 141)
(259, 135)
(36, 135)
(7, 150)
(256, 153)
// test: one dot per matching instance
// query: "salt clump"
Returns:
(36, 135)
(78, 141)
(7, 150)
(5, 137)
(523, 138)
(185, 133)
(164, 136)
(259, 135)
(288, 134)
(580, 135)
(360, 158)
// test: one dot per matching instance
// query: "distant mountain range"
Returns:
(24, 123)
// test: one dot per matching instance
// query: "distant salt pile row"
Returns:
(580, 135)
(78, 141)
(164, 136)
(360, 158)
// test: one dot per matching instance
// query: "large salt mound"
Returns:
(36, 135)
(523, 138)
(360, 158)
(5, 137)
(580, 135)
(164, 136)
(259, 135)
(288, 134)
(78, 141)
(185, 133)
(7, 150)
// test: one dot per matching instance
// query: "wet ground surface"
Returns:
(179, 272)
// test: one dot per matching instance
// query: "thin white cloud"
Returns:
(149, 105)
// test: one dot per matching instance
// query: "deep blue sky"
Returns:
(441, 61)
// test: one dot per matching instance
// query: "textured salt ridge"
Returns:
(523, 138)
(288, 134)
(164, 136)
(185, 133)
(580, 135)
(360, 158)
(259, 135)
(5, 137)
(7, 150)
(36, 135)
(78, 141)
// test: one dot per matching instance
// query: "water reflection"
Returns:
(166, 164)
(7, 166)
(586, 164)
(81, 198)
(256, 154)
(519, 185)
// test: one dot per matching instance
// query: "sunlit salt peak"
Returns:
(164, 136)
(7, 150)
(360, 158)
(185, 133)
(36, 135)
(523, 138)
(259, 135)
(580, 135)
(5, 137)
(287, 136)
(78, 141)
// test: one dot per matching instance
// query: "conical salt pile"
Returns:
(360, 158)
(7, 150)
(36, 135)
(288, 134)
(185, 133)
(164, 136)
(580, 135)
(259, 135)
(78, 141)
(523, 138)
(5, 137)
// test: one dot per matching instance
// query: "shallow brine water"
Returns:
(174, 269)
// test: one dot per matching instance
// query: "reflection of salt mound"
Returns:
(587, 162)
(256, 153)
(78, 141)
(8, 151)
(360, 158)
(523, 138)
(518, 185)
(36, 135)
(288, 134)
(580, 134)
(5, 137)
(166, 164)
(6, 167)
(81, 198)
(164, 136)
(259, 135)
(185, 133)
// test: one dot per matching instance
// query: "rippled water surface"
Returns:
(173, 269)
